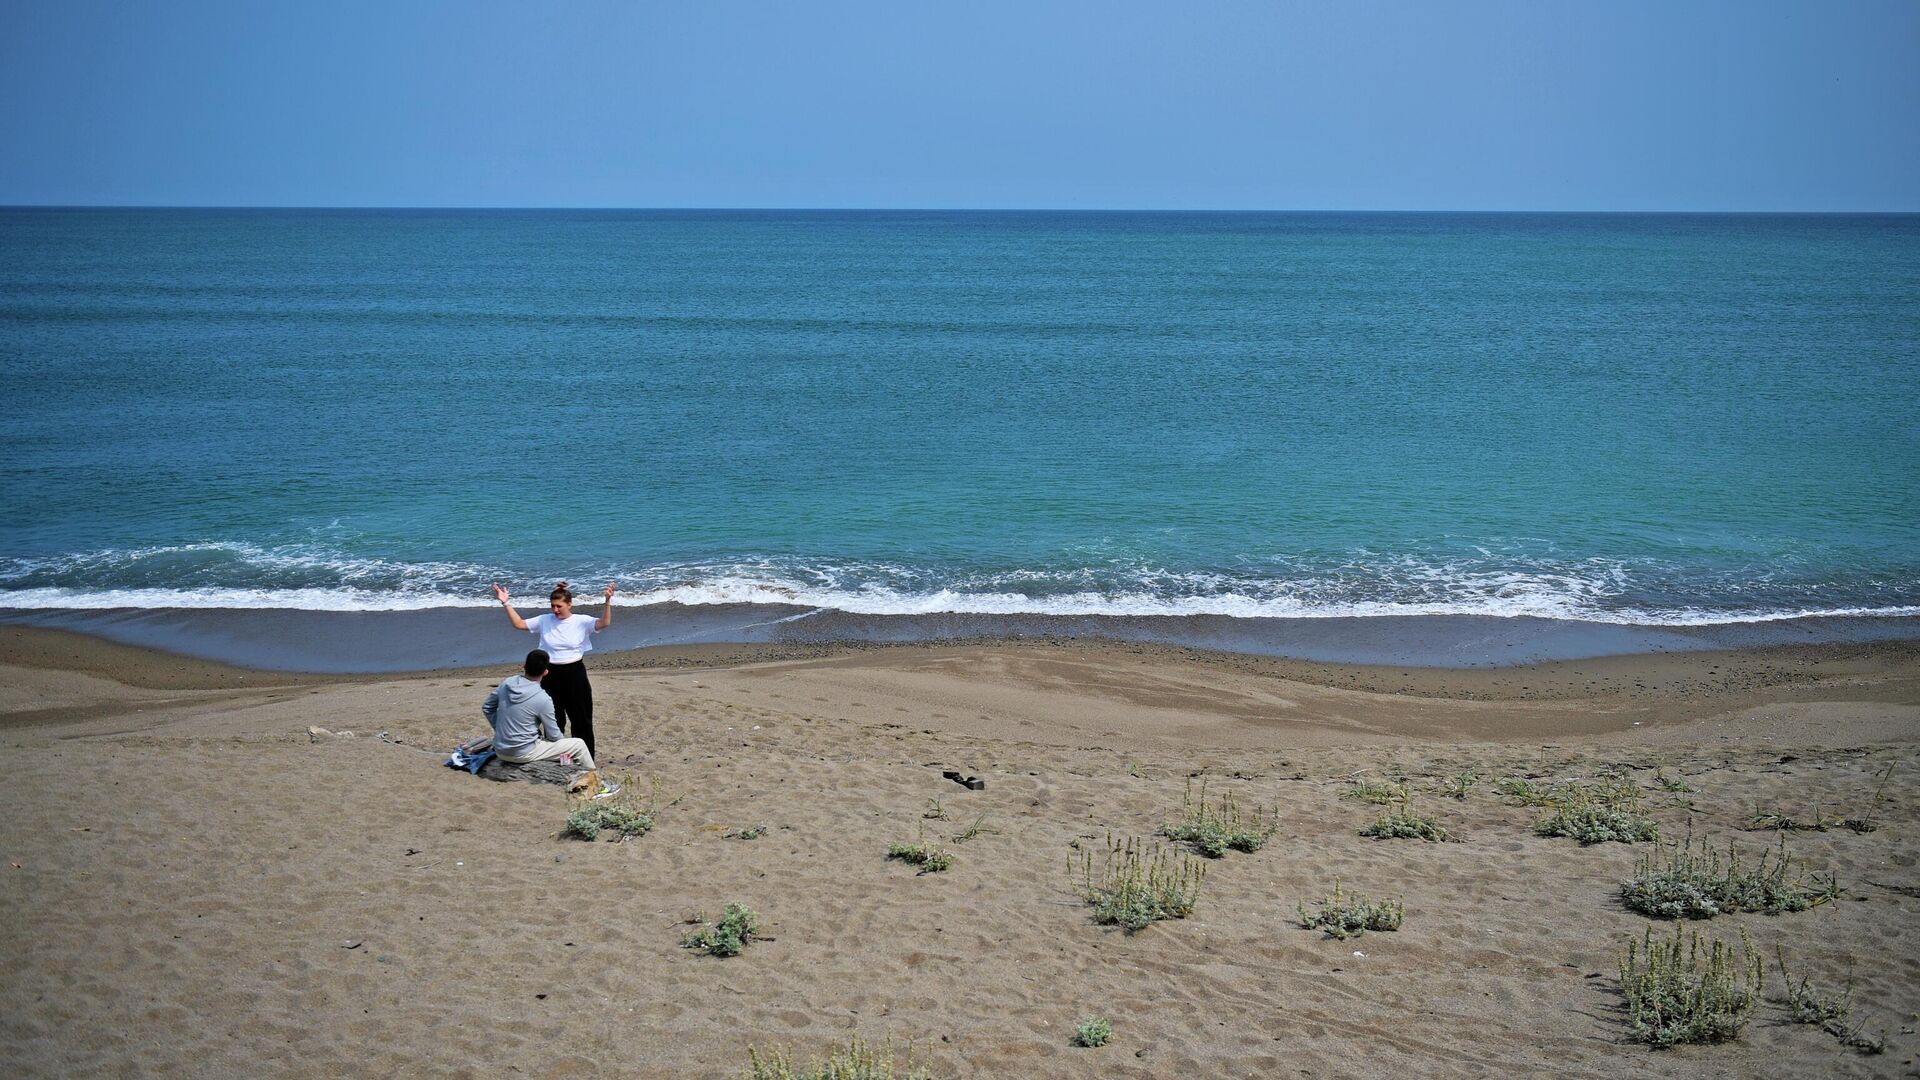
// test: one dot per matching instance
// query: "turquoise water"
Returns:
(1620, 418)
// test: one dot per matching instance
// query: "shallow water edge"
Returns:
(434, 638)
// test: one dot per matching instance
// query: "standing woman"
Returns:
(568, 638)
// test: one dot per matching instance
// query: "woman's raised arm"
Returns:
(500, 594)
(606, 617)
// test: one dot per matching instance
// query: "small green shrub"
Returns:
(1679, 992)
(1402, 823)
(1594, 814)
(1377, 792)
(1093, 1031)
(622, 815)
(858, 1061)
(738, 925)
(1675, 882)
(930, 859)
(1139, 884)
(934, 811)
(1211, 828)
(751, 832)
(1343, 916)
(1521, 791)
(1458, 785)
(1808, 1004)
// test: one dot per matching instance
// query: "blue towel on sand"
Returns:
(470, 756)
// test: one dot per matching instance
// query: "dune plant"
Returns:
(1676, 882)
(1777, 820)
(1597, 813)
(622, 816)
(1807, 1004)
(929, 858)
(856, 1061)
(1093, 1031)
(1402, 822)
(1343, 916)
(1684, 991)
(1670, 783)
(1210, 828)
(1525, 791)
(1780, 821)
(979, 826)
(1459, 785)
(1139, 884)
(738, 926)
(1377, 792)
(751, 832)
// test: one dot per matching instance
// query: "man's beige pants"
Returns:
(544, 750)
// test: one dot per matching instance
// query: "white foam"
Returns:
(1361, 585)
(882, 601)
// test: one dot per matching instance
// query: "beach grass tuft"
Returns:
(1210, 828)
(751, 832)
(1681, 991)
(1819, 821)
(1527, 791)
(1401, 822)
(1670, 783)
(1459, 785)
(1809, 1004)
(1346, 916)
(856, 1061)
(622, 816)
(1377, 792)
(1600, 812)
(1677, 882)
(1139, 884)
(738, 926)
(929, 858)
(1093, 1031)
(970, 832)
(1778, 820)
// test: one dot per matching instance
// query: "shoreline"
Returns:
(1243, 700)
(376, 642)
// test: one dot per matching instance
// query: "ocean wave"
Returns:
(889, 602)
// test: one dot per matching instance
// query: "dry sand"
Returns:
(195, 885)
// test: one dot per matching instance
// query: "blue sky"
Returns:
(1539, 104)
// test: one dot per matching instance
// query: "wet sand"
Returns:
(198, 885)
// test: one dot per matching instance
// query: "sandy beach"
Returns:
(199, 885)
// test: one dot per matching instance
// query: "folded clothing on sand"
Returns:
(472, 754)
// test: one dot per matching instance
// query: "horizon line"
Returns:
(931, 209)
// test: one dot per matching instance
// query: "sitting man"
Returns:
(523, 724)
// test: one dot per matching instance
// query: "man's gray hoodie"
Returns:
(520, 712)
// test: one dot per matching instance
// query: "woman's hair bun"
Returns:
(561, 585)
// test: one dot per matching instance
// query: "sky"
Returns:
(1527, 105)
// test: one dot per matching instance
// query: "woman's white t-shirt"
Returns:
(565, 640)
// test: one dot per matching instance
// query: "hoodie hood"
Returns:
(520, 689)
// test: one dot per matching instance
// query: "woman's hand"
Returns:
(610, 591)
(606, 616)
(500, 594)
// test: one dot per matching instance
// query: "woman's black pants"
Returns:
(572, 698)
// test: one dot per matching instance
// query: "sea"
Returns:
(923, 420)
